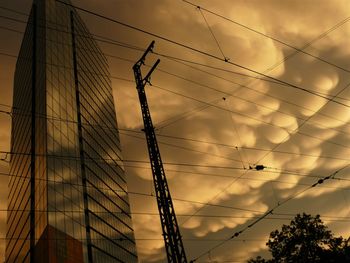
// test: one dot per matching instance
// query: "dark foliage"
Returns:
(306, 240)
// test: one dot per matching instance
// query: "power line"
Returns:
(176, 199)
(103, 38)
(172, 145)
(229, 207)
(212, 33)
(299, 50)
(283, 172)
(106, 40)
(141, 194)
(229, 94)
(13, 11)
(297, 130)
(221, 108)
(139, 239)
(181, 172)
(71, 157)
(209, 87)
(250, 101)
(246, 100)
(234, 146)
(51, 209)
(199, 51)
(176, 59)
(247, 116)
(271, 211)
(257, 91)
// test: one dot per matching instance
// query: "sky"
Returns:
(215, 119)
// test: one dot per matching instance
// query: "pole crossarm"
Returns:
(171, 232)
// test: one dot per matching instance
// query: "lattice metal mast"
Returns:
(171, 232)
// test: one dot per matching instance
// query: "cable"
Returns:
(51, 209)
(271, 211)
(230, 184)
(295, 131)
(182, 172)
(176, 199)
(212, 33)
(59, 1)
(141, 239)
(140, 138)
(13, 11)
(129, 46)
(58, 119)
(206, 86)
(106, 40)
(252, 102)
(245, 100)
(177, 137)
(299, 50)
(199, 51)
(234, 146)
(257, 91)
(283, 172)
(68, 157)
(296, 49)
(125, 45)
(247, 116)
(260, 159)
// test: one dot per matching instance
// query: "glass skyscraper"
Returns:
(68, 199)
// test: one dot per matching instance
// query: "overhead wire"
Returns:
(71, 157)
(290, 216)
(229, 94)
(270, 211)
(262, 93)
(140, 138)
(69, 121)
(175, 137)
(234, 146)
(212, 33)
(239, 113)
(121, 44)
(200, 108)
(286, 172)
(198, 51)
(297, 130)
(260, 159)
(110, 41)
(299, 50)
(102, 38)
(242, 209)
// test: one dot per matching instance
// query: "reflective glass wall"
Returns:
(81, 202)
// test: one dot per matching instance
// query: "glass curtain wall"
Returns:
(81, 209)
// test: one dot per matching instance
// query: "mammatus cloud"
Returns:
(259, 116)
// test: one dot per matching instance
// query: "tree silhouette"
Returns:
(305, 239)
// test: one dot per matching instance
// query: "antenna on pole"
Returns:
(171, 232)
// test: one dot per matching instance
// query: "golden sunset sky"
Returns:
(214, 119)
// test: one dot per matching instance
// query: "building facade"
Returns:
(68, 199)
